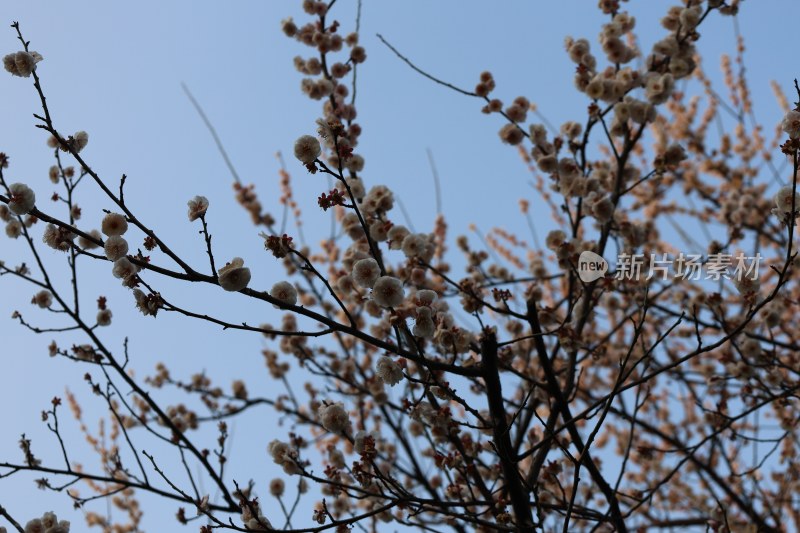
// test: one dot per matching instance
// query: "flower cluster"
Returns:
(48, 523)
(284, 455)
(21, 63)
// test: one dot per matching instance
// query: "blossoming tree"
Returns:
(449, 386)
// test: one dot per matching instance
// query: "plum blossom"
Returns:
(22, 199)
(283, 454)
(307, 149)
(114, 224)
(791, 124)
(116, 247)
(388, 291)
(234, 276)
(783, 201)
(197, 207)
(334, 418)
(389, 371)
(284, 292)
(21, 63)
(365, 272)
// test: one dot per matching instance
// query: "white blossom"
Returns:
(14, 229)
(234, 276)
(197, 207)
(365, 272)
(87, 244)
(389, 371)
(555, 239)
(22, 199)
(114, 224)
(124, 268)
(57, 237)
(80, 140)
(396, 236)
(783, 200)
(418, 245)
(426, 297)
(378, 199)
(21, 63)
(424, 326)
(307, 149)
(388, 291)
(147, 304)
(284, 292)
(116, 247)
(791, 124)
(34, 526)
(659, 87)
(284, 455)
(334, 418)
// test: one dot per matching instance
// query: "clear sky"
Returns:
(114, 69)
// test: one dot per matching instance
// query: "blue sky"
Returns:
(114, 69)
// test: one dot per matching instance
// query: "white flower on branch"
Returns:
(54, 174)
(114, 224)
(148, 304)
(690, 16)
(365, 272)
(426, 297)
(379, 199)
(307, 149)
(34, 526)
(22, 199)
(783, 200)
(52, 525)
(14, 229)
(418, 245)
(116, 247)
(424, 326)
(123, 268)
(791, 123)
(58, 238)
(87, 244)
(197, 207)
(234, 276)
(284, 292)
(21, 63)
(80, 140)
(396, 236)
(284, 455)
(555, 239)
(658, 87)
(388, 291)
(334, 418)
(389, 371)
